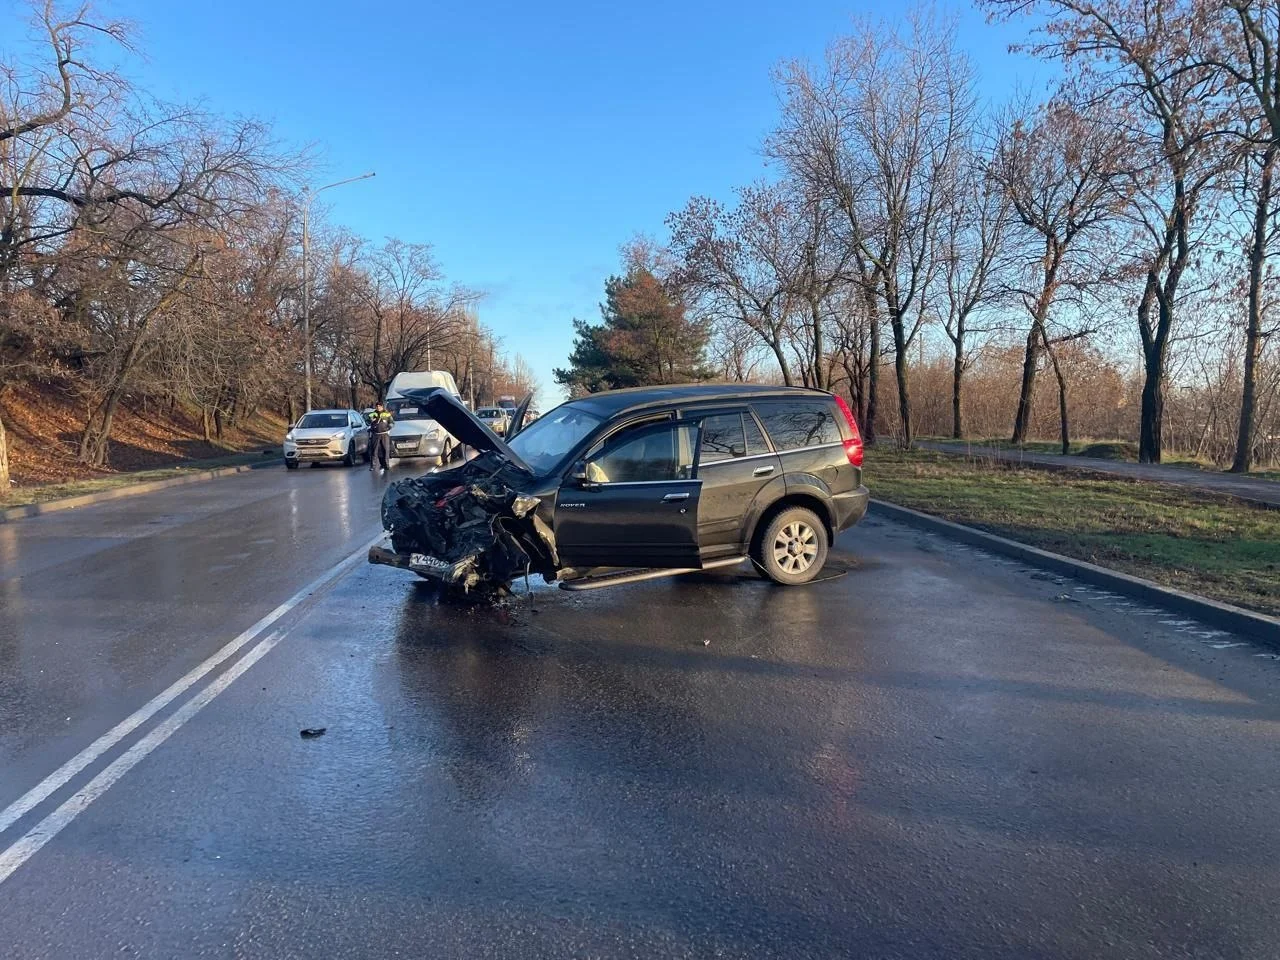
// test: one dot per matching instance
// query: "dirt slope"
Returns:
(44, 421)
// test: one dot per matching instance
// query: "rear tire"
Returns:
(793, 548)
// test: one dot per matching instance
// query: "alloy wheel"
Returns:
(796, 547)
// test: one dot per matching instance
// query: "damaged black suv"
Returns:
(633, 484)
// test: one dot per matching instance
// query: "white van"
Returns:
(420, 380)
(414, 433)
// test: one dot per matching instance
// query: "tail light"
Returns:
(852, 446)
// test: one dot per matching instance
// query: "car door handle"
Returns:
(674, 497)
(762, 471)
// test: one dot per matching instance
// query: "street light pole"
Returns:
(309, 195)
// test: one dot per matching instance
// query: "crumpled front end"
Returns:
(469, 527)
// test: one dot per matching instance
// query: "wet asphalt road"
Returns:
(938, 754)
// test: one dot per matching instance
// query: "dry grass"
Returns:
(1207, 544)
(150, 442)
(43, 424)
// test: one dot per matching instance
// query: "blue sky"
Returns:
(525, 141)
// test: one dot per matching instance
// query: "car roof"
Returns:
(611, 402)
(333, 410)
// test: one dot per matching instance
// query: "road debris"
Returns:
(310, 733)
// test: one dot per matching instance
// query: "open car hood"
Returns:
(465, 426)
(517, 418)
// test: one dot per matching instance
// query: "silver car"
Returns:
(495, 418)
(327, 436)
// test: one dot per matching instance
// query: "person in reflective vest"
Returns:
(380, 423)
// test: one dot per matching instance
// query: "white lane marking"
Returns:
(24, 849)
(59, 778)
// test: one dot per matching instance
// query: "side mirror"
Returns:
(738, 450)
(579, 476)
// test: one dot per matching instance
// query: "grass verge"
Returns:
(1119, 450)
(76, 488)
(1199, 542)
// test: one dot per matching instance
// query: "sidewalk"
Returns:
(1253, 489)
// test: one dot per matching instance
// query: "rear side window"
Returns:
(720, 434)
(794, 424)
(756, 442)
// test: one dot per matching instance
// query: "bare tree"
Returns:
(973, 254)
(878, 130)
(1058, 170)
(410, 318)
(1245, 46)
(739, 266)
(1146, 60)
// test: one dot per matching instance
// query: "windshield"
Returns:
(313, 421)
(407, 410)
(490, 413)
(547, 441)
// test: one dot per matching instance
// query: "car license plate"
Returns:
(422, 560)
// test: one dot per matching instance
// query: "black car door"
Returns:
(734, 464)
(634, 502)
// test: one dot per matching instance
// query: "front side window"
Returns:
(646, 455)
(548, 440)
(793, 424)
(721, 436)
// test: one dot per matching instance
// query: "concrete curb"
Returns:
(10, 514)
(1257, 626)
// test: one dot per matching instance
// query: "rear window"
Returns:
(407, 410)
(794, 424)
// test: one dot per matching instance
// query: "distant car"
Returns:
(496, 419)
(327, 436)
(632, 484)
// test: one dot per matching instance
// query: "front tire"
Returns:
(349, 458)
(793, 548)
(291, 464)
